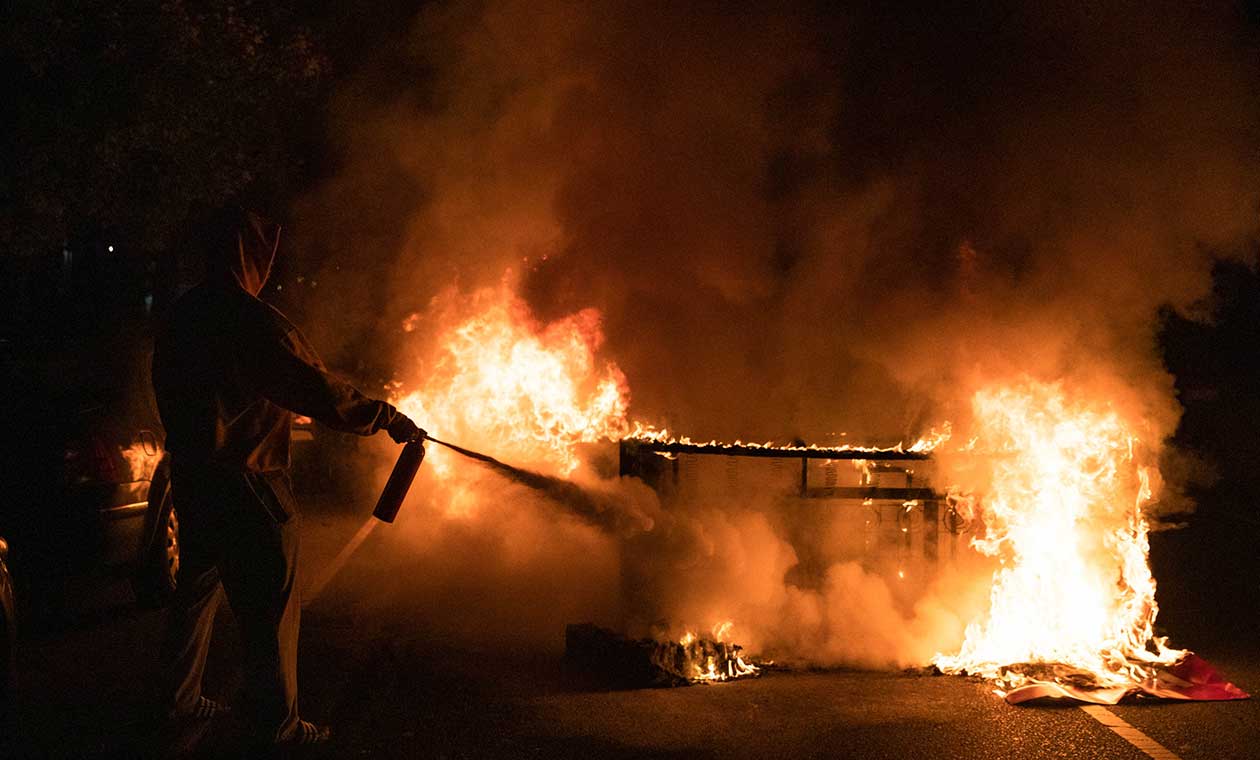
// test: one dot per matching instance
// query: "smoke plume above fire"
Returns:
(781, 223)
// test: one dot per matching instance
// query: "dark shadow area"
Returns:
(1209, 584)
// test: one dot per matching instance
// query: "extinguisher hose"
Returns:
(470, 454)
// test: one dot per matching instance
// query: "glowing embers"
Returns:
(668, 442)
(1061, 490)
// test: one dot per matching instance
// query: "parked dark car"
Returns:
(83, 488)
(87, 490)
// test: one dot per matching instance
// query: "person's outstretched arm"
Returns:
(288, 372)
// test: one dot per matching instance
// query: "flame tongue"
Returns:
(1074, 598)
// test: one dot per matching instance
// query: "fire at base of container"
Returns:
(1064, 482)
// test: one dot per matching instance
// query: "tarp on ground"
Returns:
(1191, 678)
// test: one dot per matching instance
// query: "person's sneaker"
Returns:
(306, 733)
(205, 709)
(306, 736)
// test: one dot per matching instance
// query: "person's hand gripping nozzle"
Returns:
(400, 479)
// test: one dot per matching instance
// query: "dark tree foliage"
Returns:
(1207, 574)
(125, 116)
(1217, 367)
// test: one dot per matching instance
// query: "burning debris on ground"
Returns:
(621, 662)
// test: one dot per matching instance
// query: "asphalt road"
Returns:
(391, 690)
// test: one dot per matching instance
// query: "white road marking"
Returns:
(332, 568)
(1129, 733)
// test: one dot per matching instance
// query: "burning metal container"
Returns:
(884, 496)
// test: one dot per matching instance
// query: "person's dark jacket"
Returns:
(229, 371)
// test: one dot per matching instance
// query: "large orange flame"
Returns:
(526, 390)
(1062, 512)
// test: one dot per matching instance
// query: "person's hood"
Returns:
(245, 249)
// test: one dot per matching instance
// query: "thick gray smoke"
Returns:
(798, 222)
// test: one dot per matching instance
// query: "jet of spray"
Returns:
(605, 512)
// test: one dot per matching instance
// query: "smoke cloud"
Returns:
(795, 222)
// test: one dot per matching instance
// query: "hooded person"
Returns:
(229, 372)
